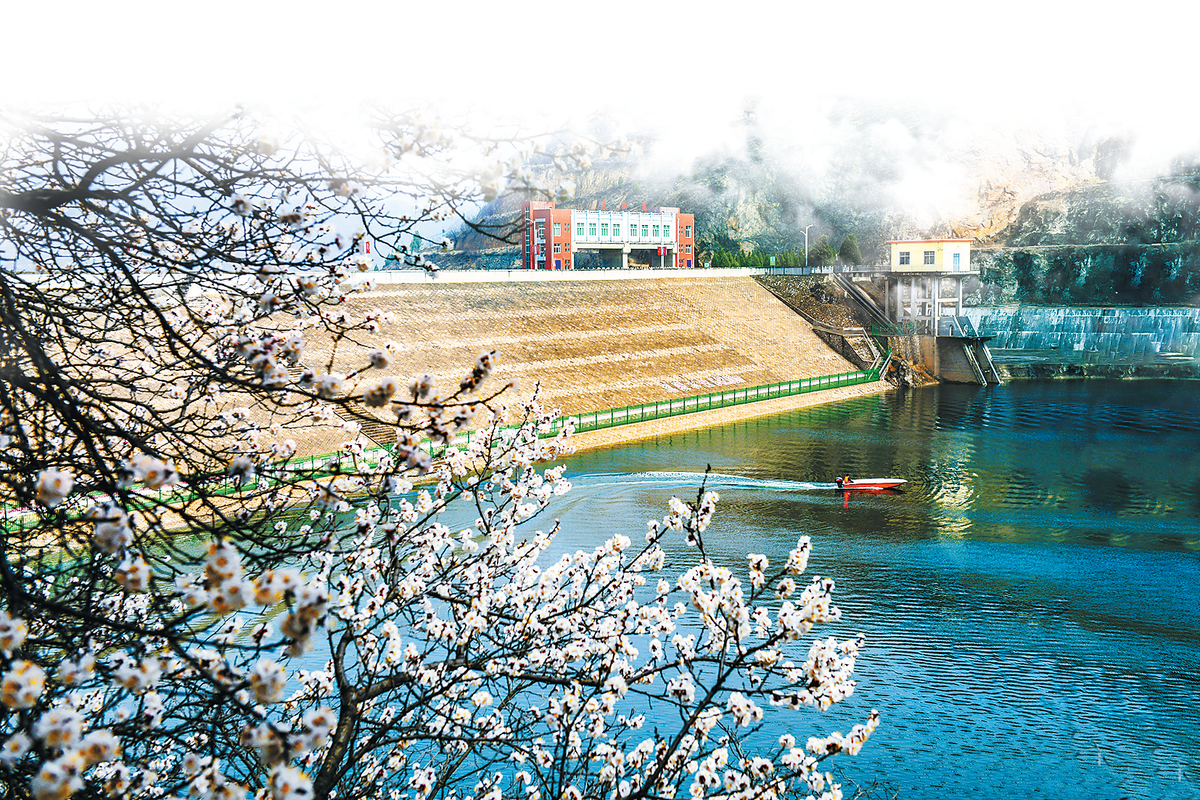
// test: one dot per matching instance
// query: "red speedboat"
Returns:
(867, 484)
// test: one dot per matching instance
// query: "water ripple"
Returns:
(1028, 601)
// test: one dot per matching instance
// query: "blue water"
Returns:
(1029, 600)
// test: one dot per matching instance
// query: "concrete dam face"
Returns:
(1088, 335)
(591, 344)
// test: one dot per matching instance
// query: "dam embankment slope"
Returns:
(599, 341)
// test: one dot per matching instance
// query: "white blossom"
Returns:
(22, 684)
(59, 727)
(53, 485)
(13, 631)
(268, 680)
(153, 472)
(14, 748)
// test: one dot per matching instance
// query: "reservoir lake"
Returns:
(1030, 600)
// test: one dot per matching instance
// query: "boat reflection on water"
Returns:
(875, 486)
(847, 484)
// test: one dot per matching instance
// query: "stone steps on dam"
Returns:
(591, 345)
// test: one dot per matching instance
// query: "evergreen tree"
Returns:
(823, 254)
(848, 253)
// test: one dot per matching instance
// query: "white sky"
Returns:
(686, 68)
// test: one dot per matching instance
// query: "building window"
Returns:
(604, 229)
(579, 229)
(557, 247)
(687, 248)
(904, 257)
(666, 231)
(616, 229)
(688, 234)
(929, 257)
(591, 229)
(558, 229)
(957, 263)
(655, 234)
(646, 231)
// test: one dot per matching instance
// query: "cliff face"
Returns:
(1152, 211)
(1126, 242)
(1010, 173)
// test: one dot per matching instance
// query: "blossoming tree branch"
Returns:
(191, 609)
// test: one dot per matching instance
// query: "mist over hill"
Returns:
(885, 174)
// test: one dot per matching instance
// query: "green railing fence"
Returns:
(662, 409)
(904, 328)
(319, 466)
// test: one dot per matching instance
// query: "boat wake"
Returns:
(693, 480)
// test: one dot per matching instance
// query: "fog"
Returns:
(924, 101)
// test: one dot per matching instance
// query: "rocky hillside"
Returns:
(1051, 221)
(1151, 211)
(1126, 242)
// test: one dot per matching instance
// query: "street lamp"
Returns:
(806, 227)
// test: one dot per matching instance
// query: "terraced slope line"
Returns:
(591, 344)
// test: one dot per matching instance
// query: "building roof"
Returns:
(926, 241)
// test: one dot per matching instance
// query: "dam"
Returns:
(1132, 339)
(591, 340)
